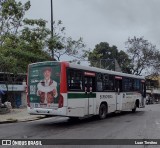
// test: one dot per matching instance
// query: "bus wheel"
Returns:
(102, 111)
(134, 109)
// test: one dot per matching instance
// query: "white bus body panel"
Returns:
(44, 111)
(109, 98)
(80, 107)
(76, 107)
(119, 101)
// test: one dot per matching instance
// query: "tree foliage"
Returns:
(29, 40)
(104, 56)
(21, 40)
(156, 64)
(63, 45)
(143, 55)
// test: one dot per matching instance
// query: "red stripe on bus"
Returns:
(63, 83)
(89, 74)
(118, 77)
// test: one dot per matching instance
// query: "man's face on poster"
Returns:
(47, 74)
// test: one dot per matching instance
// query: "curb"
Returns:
(21, 120)
(8, 121)
(36, 118)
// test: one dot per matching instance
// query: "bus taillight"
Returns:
(60, 102)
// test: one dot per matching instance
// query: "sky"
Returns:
(112, 21)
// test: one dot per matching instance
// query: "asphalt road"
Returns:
(144, 124)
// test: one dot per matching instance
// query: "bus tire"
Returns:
(102, 111)
(134, 109)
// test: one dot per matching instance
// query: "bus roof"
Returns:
(94, 69)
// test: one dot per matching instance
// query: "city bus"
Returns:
(73, 90)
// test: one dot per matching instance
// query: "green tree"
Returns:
(104, 56)
(28, 40)
(143, 55)
(21, 39)
(24, 41)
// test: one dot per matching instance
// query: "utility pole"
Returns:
(52, 50)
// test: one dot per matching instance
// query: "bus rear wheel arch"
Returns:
(103, 110)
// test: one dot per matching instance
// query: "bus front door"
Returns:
(90, 94)
(118, 94)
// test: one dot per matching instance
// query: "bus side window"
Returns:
(89, 84)
(136, 85)
(127, 85)
(118, 85)
(92, 84)
(74, 80)
(99, 82)
(108, 82)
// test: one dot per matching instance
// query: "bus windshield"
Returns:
(44, 84)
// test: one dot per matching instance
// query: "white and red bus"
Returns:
(66, 89)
